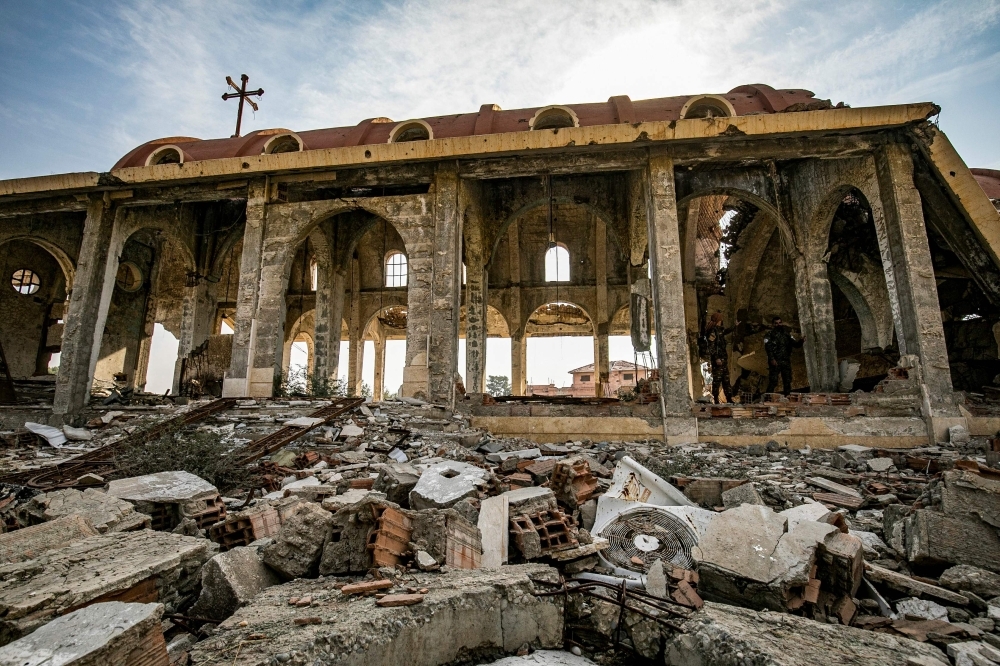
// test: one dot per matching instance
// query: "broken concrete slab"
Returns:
(349, 498)
(494, 526)
(444, 484)
(54, 436)
(230, 580)
(833, 487)
(962, 577)
(966, 493)
(30, 542)
(726, 636)
(924, 609)
(77, 434)
(482, 613)
(141, 566)
(299, 543)
(104, 634)
(973, 653)
(813, 511)
(165, 487)
(932, 537)
(106, 513)
(742, 494)
(907, 585)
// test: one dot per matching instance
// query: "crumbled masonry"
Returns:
(799, 465)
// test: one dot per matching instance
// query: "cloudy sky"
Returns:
(82, 83)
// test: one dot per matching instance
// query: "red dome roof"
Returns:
(745, 100)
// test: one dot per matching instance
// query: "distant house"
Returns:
(623, 373)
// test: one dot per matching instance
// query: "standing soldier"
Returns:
(778, 344)
(744, 329)
(718, 356)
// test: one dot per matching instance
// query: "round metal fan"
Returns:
(638, 538)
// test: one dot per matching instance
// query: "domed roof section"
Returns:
(490, 119)
(989, 180)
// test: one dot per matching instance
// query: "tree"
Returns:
(498, 385)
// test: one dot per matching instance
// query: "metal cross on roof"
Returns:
(244, 95)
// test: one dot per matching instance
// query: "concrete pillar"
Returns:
(476, 289)
(321, 327)
(446, 285)
(379, 380)
(903, 237)
(355, 350)
(602, 368)
(668, 289)
(88, 308)
(602, 363)
(148, 326)
(693, 330)
(237, 379)
(519, 364)
(815, 303)
(338, 283)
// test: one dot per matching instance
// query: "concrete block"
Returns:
(137, 566)
(30, 542)
(969, 494)
(922, 608)
(980, 582)
(932, 537)
(494, 526)
(396, 481)
(958, 435)
(804, 512)
(230, 580)
(299, 544)
(742, 494)
(465, 612)
(105, 634)
(445, 483)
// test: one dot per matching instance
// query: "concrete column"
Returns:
(476, 290)
(337, 285)
(602, 363)
(88, 308)
(519, 364)
(355, 351)
(668, 289)
(518, 350)
(446, 285)
(815, 302)
(148, 326)
(693, 326)
(322, 325)
(237, 382)
(379, 380)
(602, 368)
(919, 329)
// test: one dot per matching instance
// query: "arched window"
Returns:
(553, 117)
(283, 143)
(557, 264)
(165, 155)
(313, 275)
(411, 130)
(465, 275)
(395, 270)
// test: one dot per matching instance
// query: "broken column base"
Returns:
(467, 615)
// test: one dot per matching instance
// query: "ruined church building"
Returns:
(861, 227)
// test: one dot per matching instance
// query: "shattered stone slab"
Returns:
(442, 485)
(105, 512)
(980, 582)
(30, 542)
(142, 566)
(163, 487)
(935, 537)
(105, 634)
(483, 614)
(968, 494)
(723, 635)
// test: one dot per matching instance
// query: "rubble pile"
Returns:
(378, 528)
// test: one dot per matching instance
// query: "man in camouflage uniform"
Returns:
(718, 357)
(778, 343)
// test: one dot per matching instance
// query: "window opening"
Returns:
(129, 277)
(395, 270)
(314, 274)
(557, 264)
(25, 281)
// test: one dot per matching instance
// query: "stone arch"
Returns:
(787, 233)
(871, 336)
(60, 255)
(497, 324)
(547, 302)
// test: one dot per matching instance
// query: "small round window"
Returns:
(25, 281)
(129, 277)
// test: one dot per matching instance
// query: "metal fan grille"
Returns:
(646, 535)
